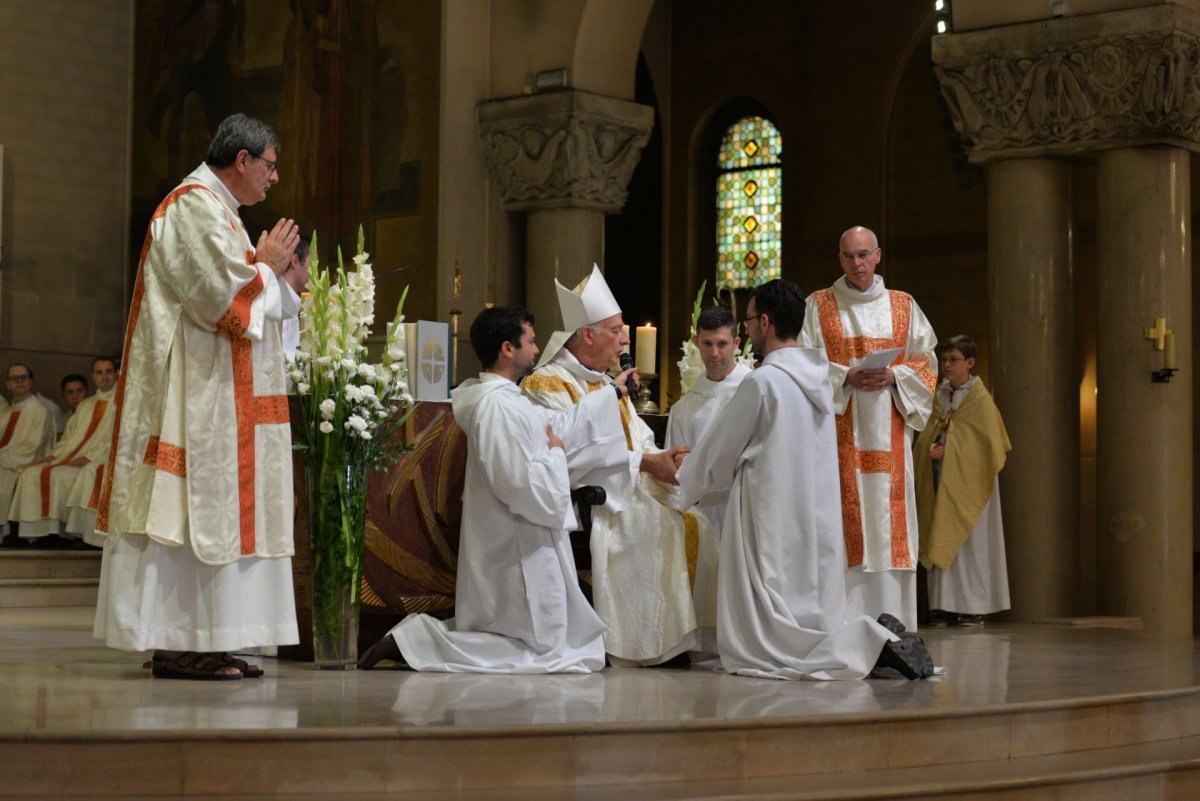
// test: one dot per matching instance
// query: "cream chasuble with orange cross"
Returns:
(201, 451)
(43, 491)
(874, 431)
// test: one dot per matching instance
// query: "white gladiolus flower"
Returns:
(327, 407)
(356, 422)
(302, 388)
(326, 427)
(365, 434)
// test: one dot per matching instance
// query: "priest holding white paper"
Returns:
(877, 409)
(652, 582)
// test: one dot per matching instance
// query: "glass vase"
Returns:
(337, 525)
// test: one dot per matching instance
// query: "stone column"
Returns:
(1035, 379)
(564, 158)
(1144, 429)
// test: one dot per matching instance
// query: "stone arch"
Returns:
(607, 42)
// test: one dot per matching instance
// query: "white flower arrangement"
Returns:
(691, 366)
(346, 399)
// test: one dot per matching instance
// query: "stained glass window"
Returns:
(749, 204)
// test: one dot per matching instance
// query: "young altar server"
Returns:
(958, 458)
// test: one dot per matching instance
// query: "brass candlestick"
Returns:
(643, 404)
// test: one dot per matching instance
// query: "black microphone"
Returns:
(627, 362)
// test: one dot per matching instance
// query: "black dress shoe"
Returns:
(384, 649)
(907, 657)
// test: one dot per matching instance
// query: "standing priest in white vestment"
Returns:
(782, 602)
(44, 488)
(26, 434)
(197, 497)
(518, 606)
(651, 565)
(878, 409)
(717, 340)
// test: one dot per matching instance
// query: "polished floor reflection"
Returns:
(58, 681)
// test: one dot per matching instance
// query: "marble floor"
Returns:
(57, 680)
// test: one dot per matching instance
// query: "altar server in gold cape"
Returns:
(878, 409)
(197, 499)
(653, 582)
(957, 460)
(40, 503)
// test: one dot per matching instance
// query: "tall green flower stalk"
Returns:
(353, 412)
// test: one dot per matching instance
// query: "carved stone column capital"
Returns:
(1075, 85)
(563, 149)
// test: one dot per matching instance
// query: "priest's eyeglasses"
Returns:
(271, 165)
(746, 320)
(951, 359)
(858, 255)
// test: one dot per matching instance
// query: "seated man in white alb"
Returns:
(43, 490)
(652, 583)
(717, 340)
(74, 388)
(518, 607)
(26, 434)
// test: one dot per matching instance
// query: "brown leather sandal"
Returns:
(194, 666)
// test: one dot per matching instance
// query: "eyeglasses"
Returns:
(271, 165)
(858, 254)
(751, 317)
(26, 377)
(951, 359)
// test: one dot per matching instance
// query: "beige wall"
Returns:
(64, 125)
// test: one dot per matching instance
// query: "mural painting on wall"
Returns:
(312, 69)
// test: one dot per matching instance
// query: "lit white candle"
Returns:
(647, 348)
(626, 348)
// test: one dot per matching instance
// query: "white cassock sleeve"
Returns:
(708, 471)
(215, 270)
(529, 477)
(591, 433)
(811, 336)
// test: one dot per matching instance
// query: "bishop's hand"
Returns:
(660, 466)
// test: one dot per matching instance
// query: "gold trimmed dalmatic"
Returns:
(201, 447)
(653, 568)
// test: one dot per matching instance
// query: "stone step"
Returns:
(28, 563)
(27, 592)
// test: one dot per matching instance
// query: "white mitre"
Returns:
(589, 302)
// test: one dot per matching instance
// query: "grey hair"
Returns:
(573, 340)
(237, 133)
